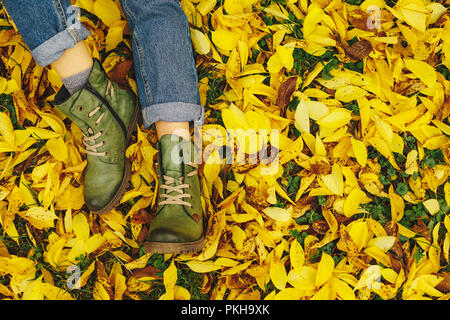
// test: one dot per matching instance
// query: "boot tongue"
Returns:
(171, 153)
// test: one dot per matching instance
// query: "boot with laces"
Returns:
(178, 224)
(107, 116)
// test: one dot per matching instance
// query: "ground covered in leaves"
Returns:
(358, 97)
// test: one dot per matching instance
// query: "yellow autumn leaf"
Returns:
(115, 34)
(296, 256)
(302, 117)
(169, 280)
(212, 166)
(200, 42)
(205, 6)
(411, 165)
(278, 214)
(278, 274)
(370, 278)
(40, 217)
(99, 292)
(352, 202)
(335, 118)
(202, 266)
(414, 13)
(360, 151)
(423, 71)
(343, 290)
(58, 148)
(80, 226)
(224, 39)
(432, 206)
(384, 243)
(6, 129)
(350, 93)
(334, 181)
(397, 205)
(107, 11)
(359, 233)
(325, 269)
(305, 279)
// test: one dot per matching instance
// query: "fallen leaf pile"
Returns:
(350, 99)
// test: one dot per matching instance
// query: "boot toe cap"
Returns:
(166, 235)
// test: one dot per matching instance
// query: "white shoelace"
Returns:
(90, 141)
(178, 198)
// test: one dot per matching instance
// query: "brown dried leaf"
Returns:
(422, 229)
(119, 74)
(285, 91)
(148, 271)
(359, 49)
(444, 285)
(320, 226)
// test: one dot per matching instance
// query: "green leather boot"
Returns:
(178, 224)
(107, 116)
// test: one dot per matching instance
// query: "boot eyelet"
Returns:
(80, 108)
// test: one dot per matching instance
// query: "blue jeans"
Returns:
(164, 63)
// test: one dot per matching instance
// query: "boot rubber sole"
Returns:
(132, 129)
(174, 247)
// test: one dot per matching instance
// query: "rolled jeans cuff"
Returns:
(174, 112)
(53, 48)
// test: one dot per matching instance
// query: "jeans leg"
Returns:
(164, 61)
(48, 27)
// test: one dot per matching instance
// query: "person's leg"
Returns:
(164, 63)
(171, 127)
(168, 90)
(105, 113)
(73, 61)
(54, 35)
(49, 28)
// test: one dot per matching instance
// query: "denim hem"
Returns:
(53, 48)
(174, 112)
